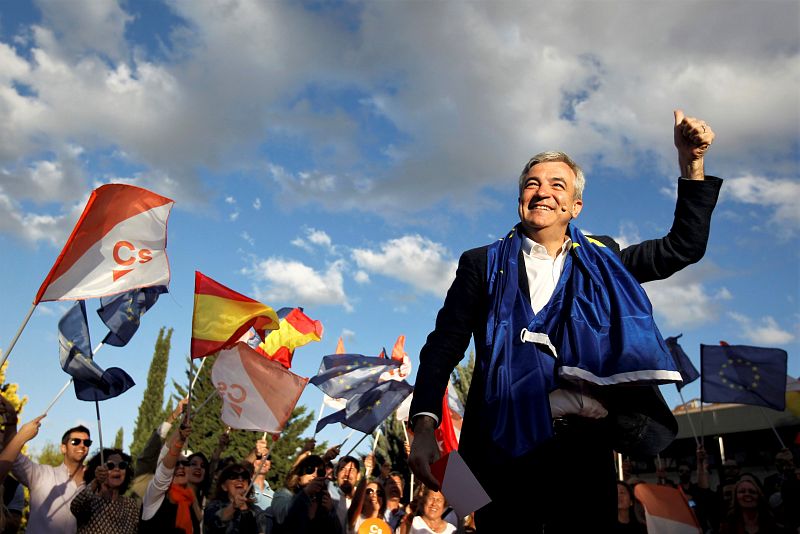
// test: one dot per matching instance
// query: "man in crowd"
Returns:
(51, 488)
(347, 476)
(567, 350)
(262, 463)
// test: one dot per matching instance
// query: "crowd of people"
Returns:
(170, 490)
(166, 489)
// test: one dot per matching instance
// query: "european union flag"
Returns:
(688, 371)
(342, 376)
(122, 313)
(92, 383)
(744, 375)
(364, 412)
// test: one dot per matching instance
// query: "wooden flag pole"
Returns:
(16, 336)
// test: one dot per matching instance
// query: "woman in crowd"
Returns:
(427, 518)
(170, 505)
(199, 475)
(231, 510)
(626, 519)
(367, 503)
(101, 507)
(304, 505)
(750, 511)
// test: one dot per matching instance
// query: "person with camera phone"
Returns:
(304, 504)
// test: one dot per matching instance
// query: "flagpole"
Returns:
(764, 415)
(211, 396)
(721, 449)
(350, 435)
(375, 441)
(405, 431)
(197, 375)
(619, 466)
(319, 415)
(58, 396)
(691, 424)
(99, 432)
(256, 470)
(357, 444)
(16, 336)
(702, 433)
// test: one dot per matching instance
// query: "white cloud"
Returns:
(319, 237)
(257, 203)
(233, 215)
(292, 283)
(314, 237)
(230, 200)
(764, 331)
(778, 196)
(413, 259)
(247, 237)
(348, 335)
(682, 300)
(362, 277)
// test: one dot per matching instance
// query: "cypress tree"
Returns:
(151, 409)
(119, 439)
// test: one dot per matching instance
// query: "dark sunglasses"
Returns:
(241, 475)
(122, 465)
(76, 441)
(370, 491)
(309, 469)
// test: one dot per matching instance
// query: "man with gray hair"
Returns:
(567, 351)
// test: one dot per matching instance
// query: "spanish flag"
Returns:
(222, 316)
(296, 329)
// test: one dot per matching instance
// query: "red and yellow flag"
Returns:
(222, 316)
(296, 329)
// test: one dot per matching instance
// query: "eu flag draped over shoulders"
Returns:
(743, 374)
(122, 313)
(92, 383)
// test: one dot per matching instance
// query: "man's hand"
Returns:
(692, 139)
(315, 486)
(369, 464)
(424, 451)
(30, 429)
(185, 429)
(331, 453)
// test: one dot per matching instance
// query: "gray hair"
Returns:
(542, 157)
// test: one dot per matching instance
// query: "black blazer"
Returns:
(642, 422)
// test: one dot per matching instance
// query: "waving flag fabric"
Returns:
(743, 374)
(91, 382)
(118, 244)
(445, 433)
(346, 375)
(365, 411)
(399, 354)
(257, 393)
(666, 510)
(340, 347)
(122, 313)
(222, 316)
(295, 330)
(688, 371)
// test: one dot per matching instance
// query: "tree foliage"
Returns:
(11, 391)
(462, 377)
(151, 412)
(391, 446)
(119, 438)
(50, 455)
(207, 426)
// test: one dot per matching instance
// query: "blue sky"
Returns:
(340, 156)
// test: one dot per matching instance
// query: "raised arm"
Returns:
(28, 431)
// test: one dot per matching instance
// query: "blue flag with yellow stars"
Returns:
(364, 412)
(91, 382)
(122, 313)
(744, 375)
(342, 376)
(686, 368)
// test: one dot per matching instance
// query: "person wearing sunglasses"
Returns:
(102, 507)
(232, 509)
(51, 488)
(170, 504)
(304, 504)
(369, 503)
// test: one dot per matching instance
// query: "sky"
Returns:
(340, 156)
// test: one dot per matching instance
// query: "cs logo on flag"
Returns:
(125, 254)
(235, 393)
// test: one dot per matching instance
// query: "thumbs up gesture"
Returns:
(692, 139)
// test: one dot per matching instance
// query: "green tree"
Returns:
(391, 446)
(119, 439)
(207, 426)
(50, 455)
(462, 377)
(151, 411)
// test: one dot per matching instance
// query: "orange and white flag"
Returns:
(118, 244)
(257, 393)
(666, 510)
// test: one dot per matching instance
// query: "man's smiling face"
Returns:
(547, 201)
